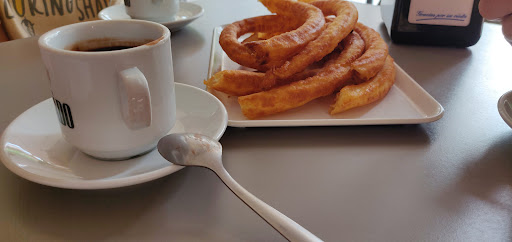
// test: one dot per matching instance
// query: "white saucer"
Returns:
(32, 146)
(188, 12)
(505, 107)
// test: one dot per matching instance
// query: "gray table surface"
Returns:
(450, 180)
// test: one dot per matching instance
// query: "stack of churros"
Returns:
(304, 51)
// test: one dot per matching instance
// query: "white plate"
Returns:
(406, 103)
(188, 12)
(33, 148)
(505, 107)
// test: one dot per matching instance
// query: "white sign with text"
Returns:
(441, 12)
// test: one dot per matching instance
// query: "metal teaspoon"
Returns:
(200, 150)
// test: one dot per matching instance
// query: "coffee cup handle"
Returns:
(135, 98)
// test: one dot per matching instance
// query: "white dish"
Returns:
(505, 107)
(188, 12)
(33, 148)
(406, 103)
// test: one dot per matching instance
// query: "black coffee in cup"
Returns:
(106, 44)
(110, 48)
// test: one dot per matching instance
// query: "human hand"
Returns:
(498, 9)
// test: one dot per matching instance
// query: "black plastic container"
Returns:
(408, 24)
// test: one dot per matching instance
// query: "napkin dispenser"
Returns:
(433, 22)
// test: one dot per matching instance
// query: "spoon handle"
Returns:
(284, 225)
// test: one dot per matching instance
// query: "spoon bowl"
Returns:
(200, 150)
(190, 150)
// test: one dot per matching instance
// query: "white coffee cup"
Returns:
(153, 10)
(111, 104)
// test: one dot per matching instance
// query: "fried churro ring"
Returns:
(295, 94)
(301, 57)
(286, 44)
(374, 57)
(243, 82)
(304, 20)
(322, 82)
(353, 47)
(240, 53)
(370, 91)
(346, 18)
(236, 82)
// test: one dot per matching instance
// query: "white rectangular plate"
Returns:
(406, 103)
